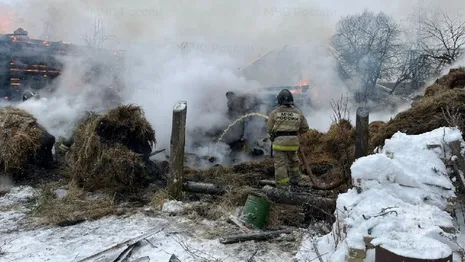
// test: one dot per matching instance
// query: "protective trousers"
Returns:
(284, 161)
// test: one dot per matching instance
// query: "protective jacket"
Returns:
(284, 125)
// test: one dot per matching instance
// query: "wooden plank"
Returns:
(128, 243)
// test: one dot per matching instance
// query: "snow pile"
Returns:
(399, 200)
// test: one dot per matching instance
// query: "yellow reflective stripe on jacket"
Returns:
(63, 147)
(283, 181)
(285, 148)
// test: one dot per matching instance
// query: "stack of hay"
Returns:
(111, 152)
(326, 151)
(23, 142)
(455, 79)
(442, 105)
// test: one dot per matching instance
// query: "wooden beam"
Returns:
(258, 236)
(203, 188)
(274, 194)
(178, 141)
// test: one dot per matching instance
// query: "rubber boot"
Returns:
(294, 180)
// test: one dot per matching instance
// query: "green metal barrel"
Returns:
(255, 211)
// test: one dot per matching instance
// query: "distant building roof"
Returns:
(279, 67)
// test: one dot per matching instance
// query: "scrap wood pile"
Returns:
(111, 151)
(244, 174)
(230, 187)
(23, 142)
(442, 105)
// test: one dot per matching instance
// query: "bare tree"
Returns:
(443, 39)
(366, 45)
(412, 66)
(96, 35)
(426, 50)
(51, 23)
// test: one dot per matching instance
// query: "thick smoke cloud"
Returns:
(220, 38)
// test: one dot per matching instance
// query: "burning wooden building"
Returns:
(32, 64)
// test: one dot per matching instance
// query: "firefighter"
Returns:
(284, 125)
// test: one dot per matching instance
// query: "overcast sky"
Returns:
(253, 22)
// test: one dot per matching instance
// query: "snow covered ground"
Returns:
(404, 190)
(189, 240)
(402, 193)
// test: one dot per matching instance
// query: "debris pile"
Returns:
(244, 174)
(23, 142)
(111, 151)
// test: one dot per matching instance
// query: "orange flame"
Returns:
(6, 20)
(302, 82)
(299, 88)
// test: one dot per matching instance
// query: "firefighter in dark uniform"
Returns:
(284, 126)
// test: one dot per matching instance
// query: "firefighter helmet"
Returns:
(285, 98)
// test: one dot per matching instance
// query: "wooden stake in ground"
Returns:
(361, 130)
(178, 140)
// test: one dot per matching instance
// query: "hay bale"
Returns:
(435, 89)
(328, 147)
(127, 125)
(339, 138)
(111, 152)
(313, 145)
(331, 150)
(454, 79)
(373, 130)
(23, 141)
(426, 115)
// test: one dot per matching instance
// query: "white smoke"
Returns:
(221, 38)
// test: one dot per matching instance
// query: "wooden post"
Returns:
(178, 140)
(361, 130)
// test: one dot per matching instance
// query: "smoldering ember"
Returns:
(288, 137)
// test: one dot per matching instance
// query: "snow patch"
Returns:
(399, 199)
(18, 195)
(180, 106)
(174, 206)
